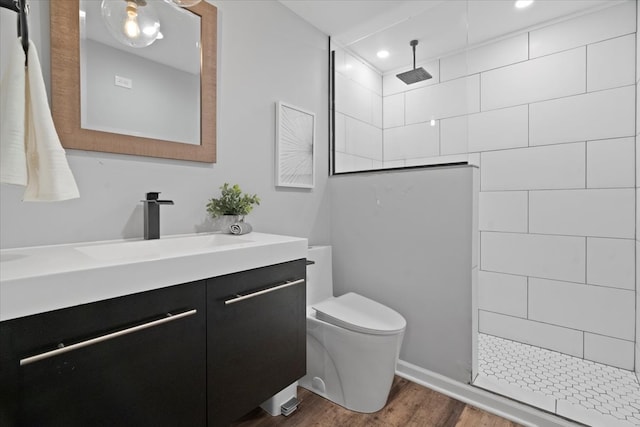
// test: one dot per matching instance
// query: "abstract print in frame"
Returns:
(295, 146)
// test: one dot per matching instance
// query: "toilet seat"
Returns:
(360, 314)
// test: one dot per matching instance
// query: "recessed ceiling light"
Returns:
(521, 4)
(383, 54)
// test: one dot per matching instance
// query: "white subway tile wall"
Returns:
(551, 337)
(611, 63)
(488, 57)
(417, 140)
(611, 262)
(600, 213)
(499, 129)
(393, 111)
(597, 115)
(611, 163)
(554, 76)
(448, 99)
(549, 116)
(363, 139)
(558, 205)
(549, 167)
(453, 135)
(535, 255)
(597, 309)
(637, 158)
(583, 30)
(358, 115)
(607, 350)
(502, 293)
(504, 211)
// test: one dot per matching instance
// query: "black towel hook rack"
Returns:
(22, 8)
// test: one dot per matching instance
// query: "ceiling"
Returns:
(441, 26)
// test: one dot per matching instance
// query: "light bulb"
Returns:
(132, 22)
(131, 27)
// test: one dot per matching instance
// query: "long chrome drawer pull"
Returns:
(170, 318)
(262, 292)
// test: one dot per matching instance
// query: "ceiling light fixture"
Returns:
(521, 4)
(133, 23)
(383, 54)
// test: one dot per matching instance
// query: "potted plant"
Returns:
(232, 202)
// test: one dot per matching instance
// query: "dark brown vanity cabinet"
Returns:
(256, 327)
(189, 355)
(137, 360)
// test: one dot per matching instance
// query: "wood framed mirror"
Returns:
(67, 99)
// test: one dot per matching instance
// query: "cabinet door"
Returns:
(256, 337)
(139, 360)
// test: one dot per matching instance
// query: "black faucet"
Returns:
(152, 215)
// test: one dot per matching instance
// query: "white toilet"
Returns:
(352, 342)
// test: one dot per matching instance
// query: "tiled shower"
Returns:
(548, 114)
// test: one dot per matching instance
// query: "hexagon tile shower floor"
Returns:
(588, 392)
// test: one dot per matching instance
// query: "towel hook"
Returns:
(22, 8)
(23, 27)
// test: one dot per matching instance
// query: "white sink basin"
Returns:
(44, 278)
(160, 248)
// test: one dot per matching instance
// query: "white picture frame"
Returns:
(295, 146)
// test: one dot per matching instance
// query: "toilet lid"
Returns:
(357, 313)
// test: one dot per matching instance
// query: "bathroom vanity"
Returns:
(194, 330)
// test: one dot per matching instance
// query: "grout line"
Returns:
(528, 125)
(548, 324)
(528, 298)
(561, 281)
(480, 110)
(586, 163)
(528, 211)
(586, 68)
(553, 235)
(586, 258)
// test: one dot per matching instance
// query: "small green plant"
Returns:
(232, 202)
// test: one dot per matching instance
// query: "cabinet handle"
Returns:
(170, 318)
(262, 292)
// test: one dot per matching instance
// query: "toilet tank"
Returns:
(319, 274)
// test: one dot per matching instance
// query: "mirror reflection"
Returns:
(152, 91)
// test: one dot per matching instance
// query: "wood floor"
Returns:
(409, 404)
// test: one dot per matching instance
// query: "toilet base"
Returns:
(352, 369)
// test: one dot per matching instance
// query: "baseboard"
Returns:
(482, 399)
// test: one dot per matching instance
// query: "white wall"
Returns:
(551, 115)
(403, 238)
(266, 54)
(358, 114)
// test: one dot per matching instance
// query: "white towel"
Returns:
(49, 176)
(13, 160)
(240, 227)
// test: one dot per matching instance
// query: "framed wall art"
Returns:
(295, 146)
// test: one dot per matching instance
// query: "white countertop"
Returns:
(43, 278)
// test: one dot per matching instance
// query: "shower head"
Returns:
(417, 74)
